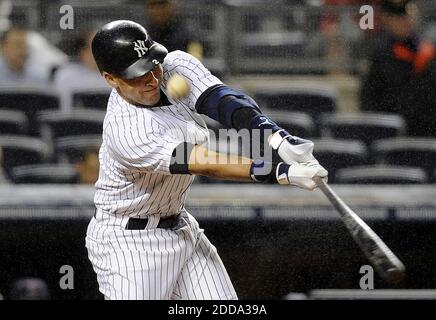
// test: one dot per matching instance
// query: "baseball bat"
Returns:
(387, 265)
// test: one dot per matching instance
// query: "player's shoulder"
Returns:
(114, 105)
(178, 57)
(114, 99)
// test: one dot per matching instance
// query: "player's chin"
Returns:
(150, 98)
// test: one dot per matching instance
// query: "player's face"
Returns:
(144, 90)
(14, 49)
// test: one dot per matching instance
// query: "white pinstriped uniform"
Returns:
(134, 181)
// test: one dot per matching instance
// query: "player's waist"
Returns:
(140, 223)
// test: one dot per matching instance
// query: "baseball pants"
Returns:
(155, 263)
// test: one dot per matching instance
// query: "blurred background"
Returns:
(365, 96)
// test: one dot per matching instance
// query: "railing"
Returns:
(234, 201)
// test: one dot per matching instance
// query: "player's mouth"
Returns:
(152, 91)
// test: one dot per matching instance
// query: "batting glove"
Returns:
(293, 149)
(300, 174)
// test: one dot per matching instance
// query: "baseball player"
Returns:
(142, 242)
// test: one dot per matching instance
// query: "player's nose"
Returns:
(152, 80)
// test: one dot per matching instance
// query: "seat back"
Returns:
(313, 100)
(77, 122)
(45, 173)
(417, 152)
(72, 148)
(366, 127)
(299, 124)
(336, 154)
(21, 150)
(30, 100)
(95, 99)
(385, 174)
(13, 122)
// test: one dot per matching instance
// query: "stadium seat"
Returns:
(299, 124)
(362, 126)
(335, 154)
(21, 150)
(13, 122)
(77, 122)
(416, 152)
(381, 174)
(72, 148)
(273, 45)
(95, 99)
(311, 99)
(45, 173)
(29, 100)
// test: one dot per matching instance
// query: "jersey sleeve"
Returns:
(198, 76)
(149, 151)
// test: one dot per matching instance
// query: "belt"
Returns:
(141, 224)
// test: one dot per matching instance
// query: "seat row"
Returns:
(363, 126)
(336, 155)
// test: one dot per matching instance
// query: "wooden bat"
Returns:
(387, 265)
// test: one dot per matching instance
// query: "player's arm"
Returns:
(195, 159)
(235, 109)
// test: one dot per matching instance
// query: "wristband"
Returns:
(267, 172)
(180, 158)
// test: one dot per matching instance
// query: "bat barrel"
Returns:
(387, 265)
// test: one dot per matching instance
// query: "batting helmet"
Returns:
(124, 48)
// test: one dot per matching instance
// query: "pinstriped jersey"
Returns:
(138, 142)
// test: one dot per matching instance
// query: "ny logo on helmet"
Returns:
(140, 48)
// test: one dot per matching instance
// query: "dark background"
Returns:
(265, 260)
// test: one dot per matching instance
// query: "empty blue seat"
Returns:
(76, 122)
(364, 126)
(299, 124)
(381, 174)
(22, 150)
(13, 122)
(72, 148)
(95, 99)
(311, 99)
(416, 152)
(336, 154)
(45, 173)
(30, 100)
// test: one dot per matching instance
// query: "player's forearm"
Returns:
(235, 109)
(193, 159)
(218, 165)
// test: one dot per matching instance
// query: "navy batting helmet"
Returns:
(124, 48)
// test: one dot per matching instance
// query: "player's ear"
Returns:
(110, 79)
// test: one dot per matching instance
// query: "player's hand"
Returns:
(302, 174)
(293, 149)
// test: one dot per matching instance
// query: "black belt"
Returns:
(164, 223)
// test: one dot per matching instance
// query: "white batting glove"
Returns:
(293, 149)
(290, 148)
(301, 175)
